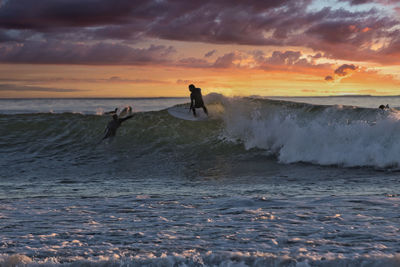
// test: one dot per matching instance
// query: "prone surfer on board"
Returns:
(196, 99)
(113, 125)
(383, 107)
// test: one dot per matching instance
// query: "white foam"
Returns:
(326, 135)
(194, 258)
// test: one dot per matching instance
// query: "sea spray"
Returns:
(326, 135)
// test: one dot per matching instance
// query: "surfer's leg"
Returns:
(194, 111)
(205, 110)
(110, 133)
(106, 135)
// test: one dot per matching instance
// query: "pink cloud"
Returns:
(67, 28)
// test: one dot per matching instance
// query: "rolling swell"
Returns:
(291, 132)
(66, 144)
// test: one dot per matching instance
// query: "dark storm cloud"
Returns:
(70, 53)
(83, 28)
(355, 38)
(333, 32)
(237, 21)
(226, 22)
(45, 14)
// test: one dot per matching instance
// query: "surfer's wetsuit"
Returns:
(113, 125)
(196, 100)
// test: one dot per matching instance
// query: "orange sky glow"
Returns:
(145, 49)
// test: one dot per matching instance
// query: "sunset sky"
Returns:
(151, 48)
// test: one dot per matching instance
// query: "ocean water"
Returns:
(263, 182)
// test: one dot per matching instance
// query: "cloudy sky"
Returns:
(138, 48)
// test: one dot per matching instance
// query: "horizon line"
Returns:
(172, 97)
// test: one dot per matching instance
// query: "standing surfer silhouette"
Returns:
(196, 100)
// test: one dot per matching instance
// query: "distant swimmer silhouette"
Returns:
(196, 99)
(383, 107)
(113, 125)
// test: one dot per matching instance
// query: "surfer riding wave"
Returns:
(196, 100)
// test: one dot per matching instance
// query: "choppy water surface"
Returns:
(263, 183)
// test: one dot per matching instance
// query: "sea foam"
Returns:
(326, 135)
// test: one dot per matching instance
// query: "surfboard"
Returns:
(183, 113)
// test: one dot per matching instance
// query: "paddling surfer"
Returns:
(113, 125)
(383, 107)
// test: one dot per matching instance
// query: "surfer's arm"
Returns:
(111, 112)
(127, 117)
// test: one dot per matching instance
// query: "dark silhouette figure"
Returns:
(113, 125)
(383, 107)
(196, 99)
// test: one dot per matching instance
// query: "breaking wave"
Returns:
(291, 132)
(326, 135)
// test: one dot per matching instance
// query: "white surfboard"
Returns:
(183, 112)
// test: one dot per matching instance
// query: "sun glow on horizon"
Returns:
(293, 48)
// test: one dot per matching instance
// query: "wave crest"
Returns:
(292, 132)
(326, 135)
